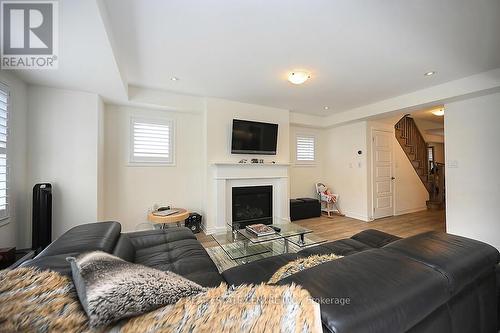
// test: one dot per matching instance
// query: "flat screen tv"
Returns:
(251, 137)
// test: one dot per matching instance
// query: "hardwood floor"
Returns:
(403, 225)
(206, 240)
(340, 227)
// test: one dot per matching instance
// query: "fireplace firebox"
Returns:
(252, 204)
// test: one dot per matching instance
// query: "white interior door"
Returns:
(383, 186)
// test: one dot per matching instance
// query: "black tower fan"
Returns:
(41, 234)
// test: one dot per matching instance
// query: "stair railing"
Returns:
(418, 147)
(437, 172)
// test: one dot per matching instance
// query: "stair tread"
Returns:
(414, 145)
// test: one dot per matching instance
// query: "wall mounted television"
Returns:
(251, 137)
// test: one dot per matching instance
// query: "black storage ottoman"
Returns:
(304, 208)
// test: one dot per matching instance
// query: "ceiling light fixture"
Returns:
(298, 77)
(430, 73)
(326, 107)
(438, 112)
(174, 78)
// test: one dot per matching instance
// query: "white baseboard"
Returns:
(215, 230)
(411, 210)
(357, 216)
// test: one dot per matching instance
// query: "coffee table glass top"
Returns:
(243, 246)
(228, 237)
(287, 230)
(258, 239)
(307, 240)
(290, 229)
(238, 246)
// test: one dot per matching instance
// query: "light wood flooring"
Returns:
(340, 227)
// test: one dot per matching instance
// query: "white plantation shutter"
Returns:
(152, 141)
(4, 111)
(305, 148)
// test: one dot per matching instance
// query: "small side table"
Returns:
(177, 218)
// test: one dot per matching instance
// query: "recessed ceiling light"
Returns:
(430, 73)
(174, 78)
(438, 112)
(298, 77)
(326, 107)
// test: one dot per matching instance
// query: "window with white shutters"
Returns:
(430, 154)
(152, 141)
(306, 149)
(4, 123)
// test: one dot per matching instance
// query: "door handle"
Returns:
(392, 178)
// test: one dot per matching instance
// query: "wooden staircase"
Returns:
(415, 148)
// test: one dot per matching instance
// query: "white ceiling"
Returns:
(359, 52)
(86, 58)
(427, 115)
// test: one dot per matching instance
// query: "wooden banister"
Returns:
(415, 147)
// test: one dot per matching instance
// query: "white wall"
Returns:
(100, 159)
(410, 194)
(129, 191)
(12, 230)
(425, 125)
(345, 171)
(349, 174)
(218, 116)
(472, 181)
(304, 176)
(63, 150)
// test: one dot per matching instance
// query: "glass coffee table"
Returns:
(243, 246)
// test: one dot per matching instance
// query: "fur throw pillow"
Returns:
(39, 301)
(45, 301)
(110, 288)
(301, 264)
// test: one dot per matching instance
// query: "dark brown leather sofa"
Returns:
(432, 282)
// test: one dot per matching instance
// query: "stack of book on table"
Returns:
(260, 229)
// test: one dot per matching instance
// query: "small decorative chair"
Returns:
(328, 200)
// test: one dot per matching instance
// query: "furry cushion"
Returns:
(246, 308)
(39, 301)
(110, 288)
(301, 264)
(45, 301)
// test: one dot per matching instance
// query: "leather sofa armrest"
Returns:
(100, 236)
(149, 238)
(375, 238)
(461, 260)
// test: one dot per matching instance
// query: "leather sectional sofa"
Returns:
(174, 249)
(432, 282)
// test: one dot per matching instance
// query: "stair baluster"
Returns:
(415, 148)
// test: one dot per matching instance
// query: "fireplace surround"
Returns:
(226, 175)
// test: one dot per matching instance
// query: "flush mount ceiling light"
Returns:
(298, 77)
(326, 108)
(438, 112)
(430, 73)
(174, 78)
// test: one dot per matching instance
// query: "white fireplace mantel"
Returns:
(228, 175)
